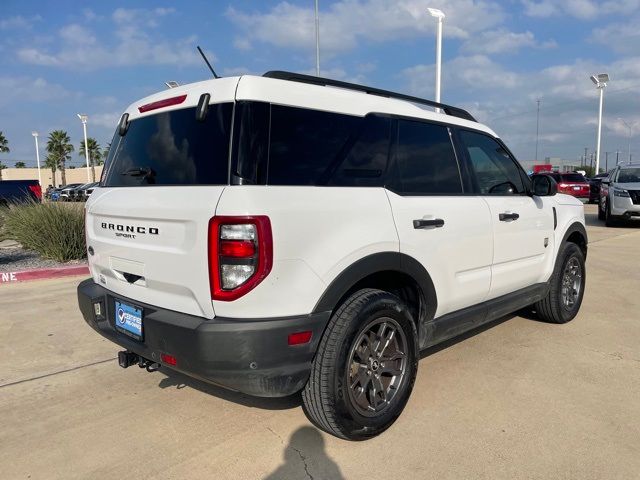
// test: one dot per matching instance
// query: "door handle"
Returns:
(508, 217)
(421, 223)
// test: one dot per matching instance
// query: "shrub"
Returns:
(54, 230)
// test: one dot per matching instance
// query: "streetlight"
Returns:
(317, 40)
(35, 136)
(83, 118)
(600, 81)
(439, 14)
(629, 127)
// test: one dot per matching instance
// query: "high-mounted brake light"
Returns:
(240, 254)
(167, 102)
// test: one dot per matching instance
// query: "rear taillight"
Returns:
(36, 190)
(240, 255)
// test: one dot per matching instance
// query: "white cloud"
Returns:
(19, 22)
(501, 40)
(136, 45)
(29, 89)
(583, 9)
(623, 38)
(347, 22)
(107, 120)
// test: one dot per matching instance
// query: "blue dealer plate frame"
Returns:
(128, 319)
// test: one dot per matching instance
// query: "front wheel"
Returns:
(365, 368)
(566, 287)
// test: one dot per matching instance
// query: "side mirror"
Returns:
(544, 186)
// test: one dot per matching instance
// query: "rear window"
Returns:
(573, 178)
(172, 148)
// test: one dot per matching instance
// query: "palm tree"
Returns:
(51, 162)
(20, 165)
(4, 144)
(95, 154)
(2, 167)
(105, 154)
(59, 147)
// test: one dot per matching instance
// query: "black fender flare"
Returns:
(375, 263)
(579, 228)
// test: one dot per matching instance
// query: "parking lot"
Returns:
(520, 399)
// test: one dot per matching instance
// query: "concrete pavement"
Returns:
(522, 399)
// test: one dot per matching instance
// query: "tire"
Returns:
(336, 396)
(609, 220)
(601, 215)
(562, 306)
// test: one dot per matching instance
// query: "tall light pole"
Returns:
(629, 127)
(439, 14)
(83, 118)
(35, 136)
(317, 41)
(537, 129)
(600, 81)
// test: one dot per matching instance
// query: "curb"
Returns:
(43, 273)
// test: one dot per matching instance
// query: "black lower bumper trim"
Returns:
(249, 356)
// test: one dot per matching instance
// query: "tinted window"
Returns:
(172, 148)
(251, 142)
(573, 178)
(496, 172)
(306, 144)
(426, 160)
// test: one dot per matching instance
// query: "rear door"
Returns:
(522, 224)
(147, 224)
(439, 223)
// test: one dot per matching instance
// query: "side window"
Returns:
(426, 161)
(306, 145)
(496, 172)
(365, 162)
(251, 142)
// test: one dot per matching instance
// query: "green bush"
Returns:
(54, 230)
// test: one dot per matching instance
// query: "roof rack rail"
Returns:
(298, 77)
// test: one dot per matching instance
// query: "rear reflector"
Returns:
(168, 359)
(237, 248)
(36, 190)
(167, 102)
(299, 338)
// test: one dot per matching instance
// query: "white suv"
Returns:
(289, 233)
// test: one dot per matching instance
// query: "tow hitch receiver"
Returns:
(127, 358)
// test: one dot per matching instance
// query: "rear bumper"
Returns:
(249, 356)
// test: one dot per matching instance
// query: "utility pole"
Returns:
(317, 41)
(537, 128)
(591, 161)
(617, 156)
(585, 156)
(606, 161)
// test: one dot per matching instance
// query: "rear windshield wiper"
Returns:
(147, 173)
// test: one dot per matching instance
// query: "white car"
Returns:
(289, 233)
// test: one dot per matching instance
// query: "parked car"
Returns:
(89, 190)
(65, 192)
(594, 187)
(19, 190)
(620, 195)
(77, 194)
(320, 244)
(572, 183)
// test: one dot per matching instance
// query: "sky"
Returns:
(499, 58)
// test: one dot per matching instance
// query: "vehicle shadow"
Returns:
(305, 457)
(173, 379)
(591, 220)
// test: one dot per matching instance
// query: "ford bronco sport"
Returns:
(289, 233)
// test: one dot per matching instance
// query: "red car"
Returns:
(572, 183)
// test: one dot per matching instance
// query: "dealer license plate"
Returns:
(128, 320)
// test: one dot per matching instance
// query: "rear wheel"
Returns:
(566, 287)
(601, 215)
(365, 367)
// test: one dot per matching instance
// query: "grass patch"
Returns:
(54, 230)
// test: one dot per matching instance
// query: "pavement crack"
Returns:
(18, 382)
(304, 461)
